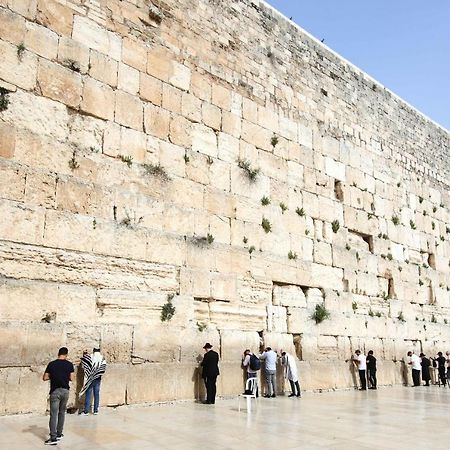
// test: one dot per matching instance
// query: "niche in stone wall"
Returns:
(432, 260)
(297, 338)
(362, 240)
(338, 190)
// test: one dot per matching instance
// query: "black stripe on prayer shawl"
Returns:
(92, 371)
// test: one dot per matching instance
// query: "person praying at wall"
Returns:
(94, 366)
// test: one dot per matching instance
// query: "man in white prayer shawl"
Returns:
(290, 373)
(94, 366)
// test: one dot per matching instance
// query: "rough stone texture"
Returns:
(119, 155)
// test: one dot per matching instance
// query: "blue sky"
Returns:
(404, 44)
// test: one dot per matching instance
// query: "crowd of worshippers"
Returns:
(367, 368)
(61, 372)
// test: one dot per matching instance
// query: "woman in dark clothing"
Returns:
(425, 369)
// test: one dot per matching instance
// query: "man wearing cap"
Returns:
(210, 372)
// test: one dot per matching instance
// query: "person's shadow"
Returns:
(352, 369)
(40, 432)
(199, 385)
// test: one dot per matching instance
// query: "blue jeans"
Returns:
(94, 387)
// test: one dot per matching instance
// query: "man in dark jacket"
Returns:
(372, 370)
(425, 363)
(441, 368)
(210, 372)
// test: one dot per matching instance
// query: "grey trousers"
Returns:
(58, 403)
(271, 382)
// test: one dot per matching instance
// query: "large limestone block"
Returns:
(21, 73)
(12, 180)
(24, 224)
(63, 303)
(279, 341)
(129, 110)
(29, 343)
(92, 35)
(276, 319)
(204, 140)
(56, 16)
(128, 79)
(334, 169)
(289, 296)
(114, 384)
(103, 68)
(39, 115)
(234, 342)
(41, 40)
(327, 277)
(98, 99)
(22, 390)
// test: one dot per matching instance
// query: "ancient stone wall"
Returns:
(211, 154)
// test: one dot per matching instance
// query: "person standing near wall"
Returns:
(60, 372)
(291, 373)
(94, 367)
(441, 368)
(252, 365)
(425, 363)
(270, 358)
(361, 362)
(414, 362)
(210, 372)
(372, 369)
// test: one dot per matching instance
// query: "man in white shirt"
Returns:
(270, 358)
(414, 362)
(360, 361)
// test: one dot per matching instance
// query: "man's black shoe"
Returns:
(59, 437)
(273, 395)
(266, 396)
(291, 395)
(51, 441)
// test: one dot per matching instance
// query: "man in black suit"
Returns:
(210, 372)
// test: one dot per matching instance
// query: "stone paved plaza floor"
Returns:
(390, 418)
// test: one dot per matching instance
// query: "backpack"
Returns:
(255, 363)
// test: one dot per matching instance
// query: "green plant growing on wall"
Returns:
(300, 212)
(20, 51)
(168, 310)
(265, 201)
(412, 224)
(94, 223)
(251, 249)
(420, 199)
(4, 99)
(335, 226)
(400, 317)
(424, 213)
(320, 313)
(434, 209)
(186, 159)
(274, 140)
(420, 282)
(267, 227)
(201, 326)
(245, 240)
(347, 247)
(251, 172)
(395, 220)
(445, 321)
(307, 232)
(433, 318)
(201, 241)
(354, 306)
(371, 313)
(73, 163)
(385, 237)
(399, 184)
(442, 238)
(378, 314)
(209, 160)
(389, 256)
(433, 225)
(157, 171)
(127, 159)
(283, 207)
(292, 255)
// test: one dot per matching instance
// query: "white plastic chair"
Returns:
(251, 385)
